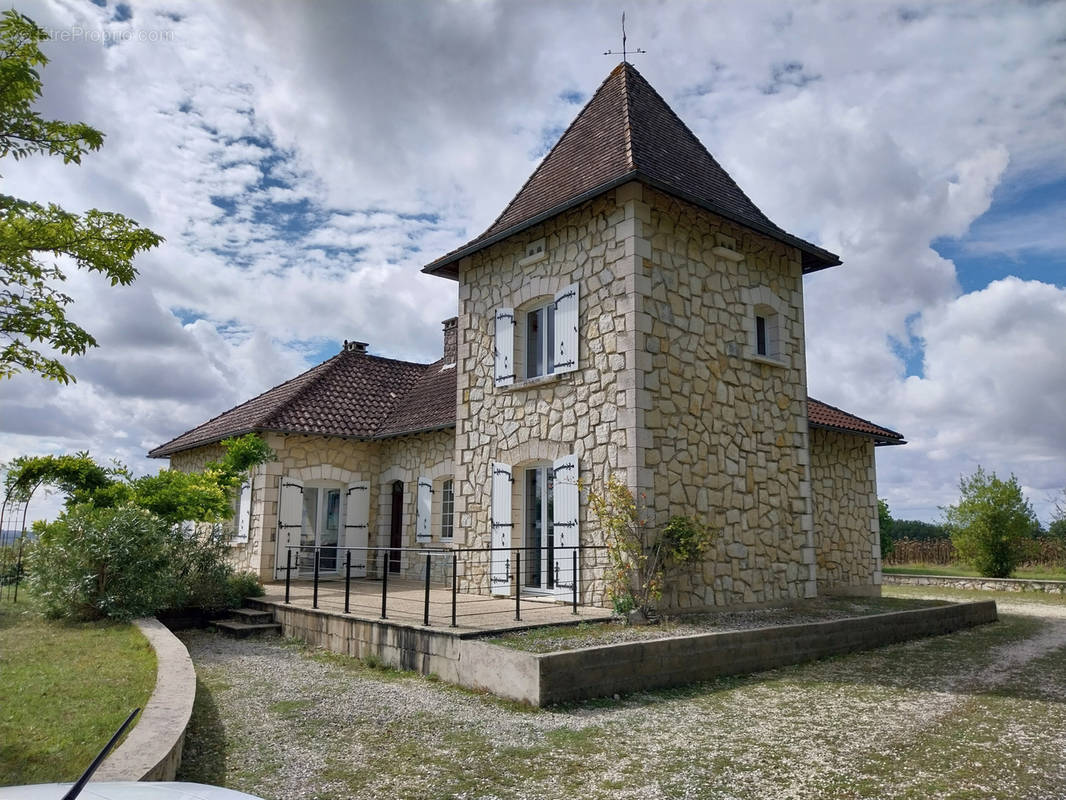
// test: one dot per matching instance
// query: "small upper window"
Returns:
(447, 510)
(540, 341)
(766, 341)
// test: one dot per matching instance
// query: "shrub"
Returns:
(110, 562)
(243, 585)
(992, 523)
(637, 551)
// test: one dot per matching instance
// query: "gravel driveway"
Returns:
(977, 714)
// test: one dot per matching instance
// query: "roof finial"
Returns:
(624, 52)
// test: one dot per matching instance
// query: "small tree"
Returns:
(992, 523)
(637, 551)
(885, 524)
(33, 235)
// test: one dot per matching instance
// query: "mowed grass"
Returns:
(967, 572)
(64, 690)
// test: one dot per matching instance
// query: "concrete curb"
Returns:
(152, 751)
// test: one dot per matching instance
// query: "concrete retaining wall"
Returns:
(152, 751)
(395, 644)
(632, 666)
(544, 678)
(980, 584)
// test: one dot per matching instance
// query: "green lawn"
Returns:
(966, 572)
(64, 690)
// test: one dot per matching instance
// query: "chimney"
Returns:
(451, 340)
(355, 347)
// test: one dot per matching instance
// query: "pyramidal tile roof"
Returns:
(628, 132)
(353, 394)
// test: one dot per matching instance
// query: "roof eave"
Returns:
(879, 439)
(814, 257)
(438, 267)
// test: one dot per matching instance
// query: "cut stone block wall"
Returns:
(723, 429)
(844, 484)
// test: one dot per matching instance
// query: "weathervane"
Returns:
(624, 52)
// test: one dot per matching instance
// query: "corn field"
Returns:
(1042, 553)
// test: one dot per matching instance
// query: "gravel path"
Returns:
(976, 714)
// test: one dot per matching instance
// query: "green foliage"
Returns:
(126, 562)
(110, 562)
(992, 523)
(637, 551)
(171, 495)
(686, 539)
(885, 525)
(118, 550)
(32, 309)
(918, 531)
(1057, 530)
(77, 476)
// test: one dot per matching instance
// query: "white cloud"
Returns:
(305, 162)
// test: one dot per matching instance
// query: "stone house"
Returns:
(632, 312)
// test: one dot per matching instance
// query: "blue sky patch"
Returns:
(1023, 234)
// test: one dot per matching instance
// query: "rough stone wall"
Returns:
(724, 429)
(588, 412)
(405, 458)
(844, 483)
(312, 458)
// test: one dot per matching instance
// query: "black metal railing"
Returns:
(478, 575)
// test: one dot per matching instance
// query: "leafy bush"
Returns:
(638, 552)
(127, 562)
(111, 562)
(243, 585)
(992, 523)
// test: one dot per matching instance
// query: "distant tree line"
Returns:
(992, 527)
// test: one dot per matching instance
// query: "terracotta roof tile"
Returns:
(823, 415)
(628, 132)
(351, 395)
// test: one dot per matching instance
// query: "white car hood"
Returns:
(125, 790)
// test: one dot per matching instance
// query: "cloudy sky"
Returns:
(304, 161)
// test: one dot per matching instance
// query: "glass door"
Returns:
(321, 528)
(538, 538)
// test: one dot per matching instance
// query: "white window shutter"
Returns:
(504, 347)
(244, 512)
(566, 313)
(565, 525)
(500, 558)
(357, 524)
(425, 509)
(290, 523)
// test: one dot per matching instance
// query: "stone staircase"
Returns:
(248, 622)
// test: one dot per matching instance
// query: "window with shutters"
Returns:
(539, 340)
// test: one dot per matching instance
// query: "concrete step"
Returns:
(252, 616)
(240, 630)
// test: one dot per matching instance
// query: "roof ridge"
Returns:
(627, 126)
(702, 147)
(548, 155)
